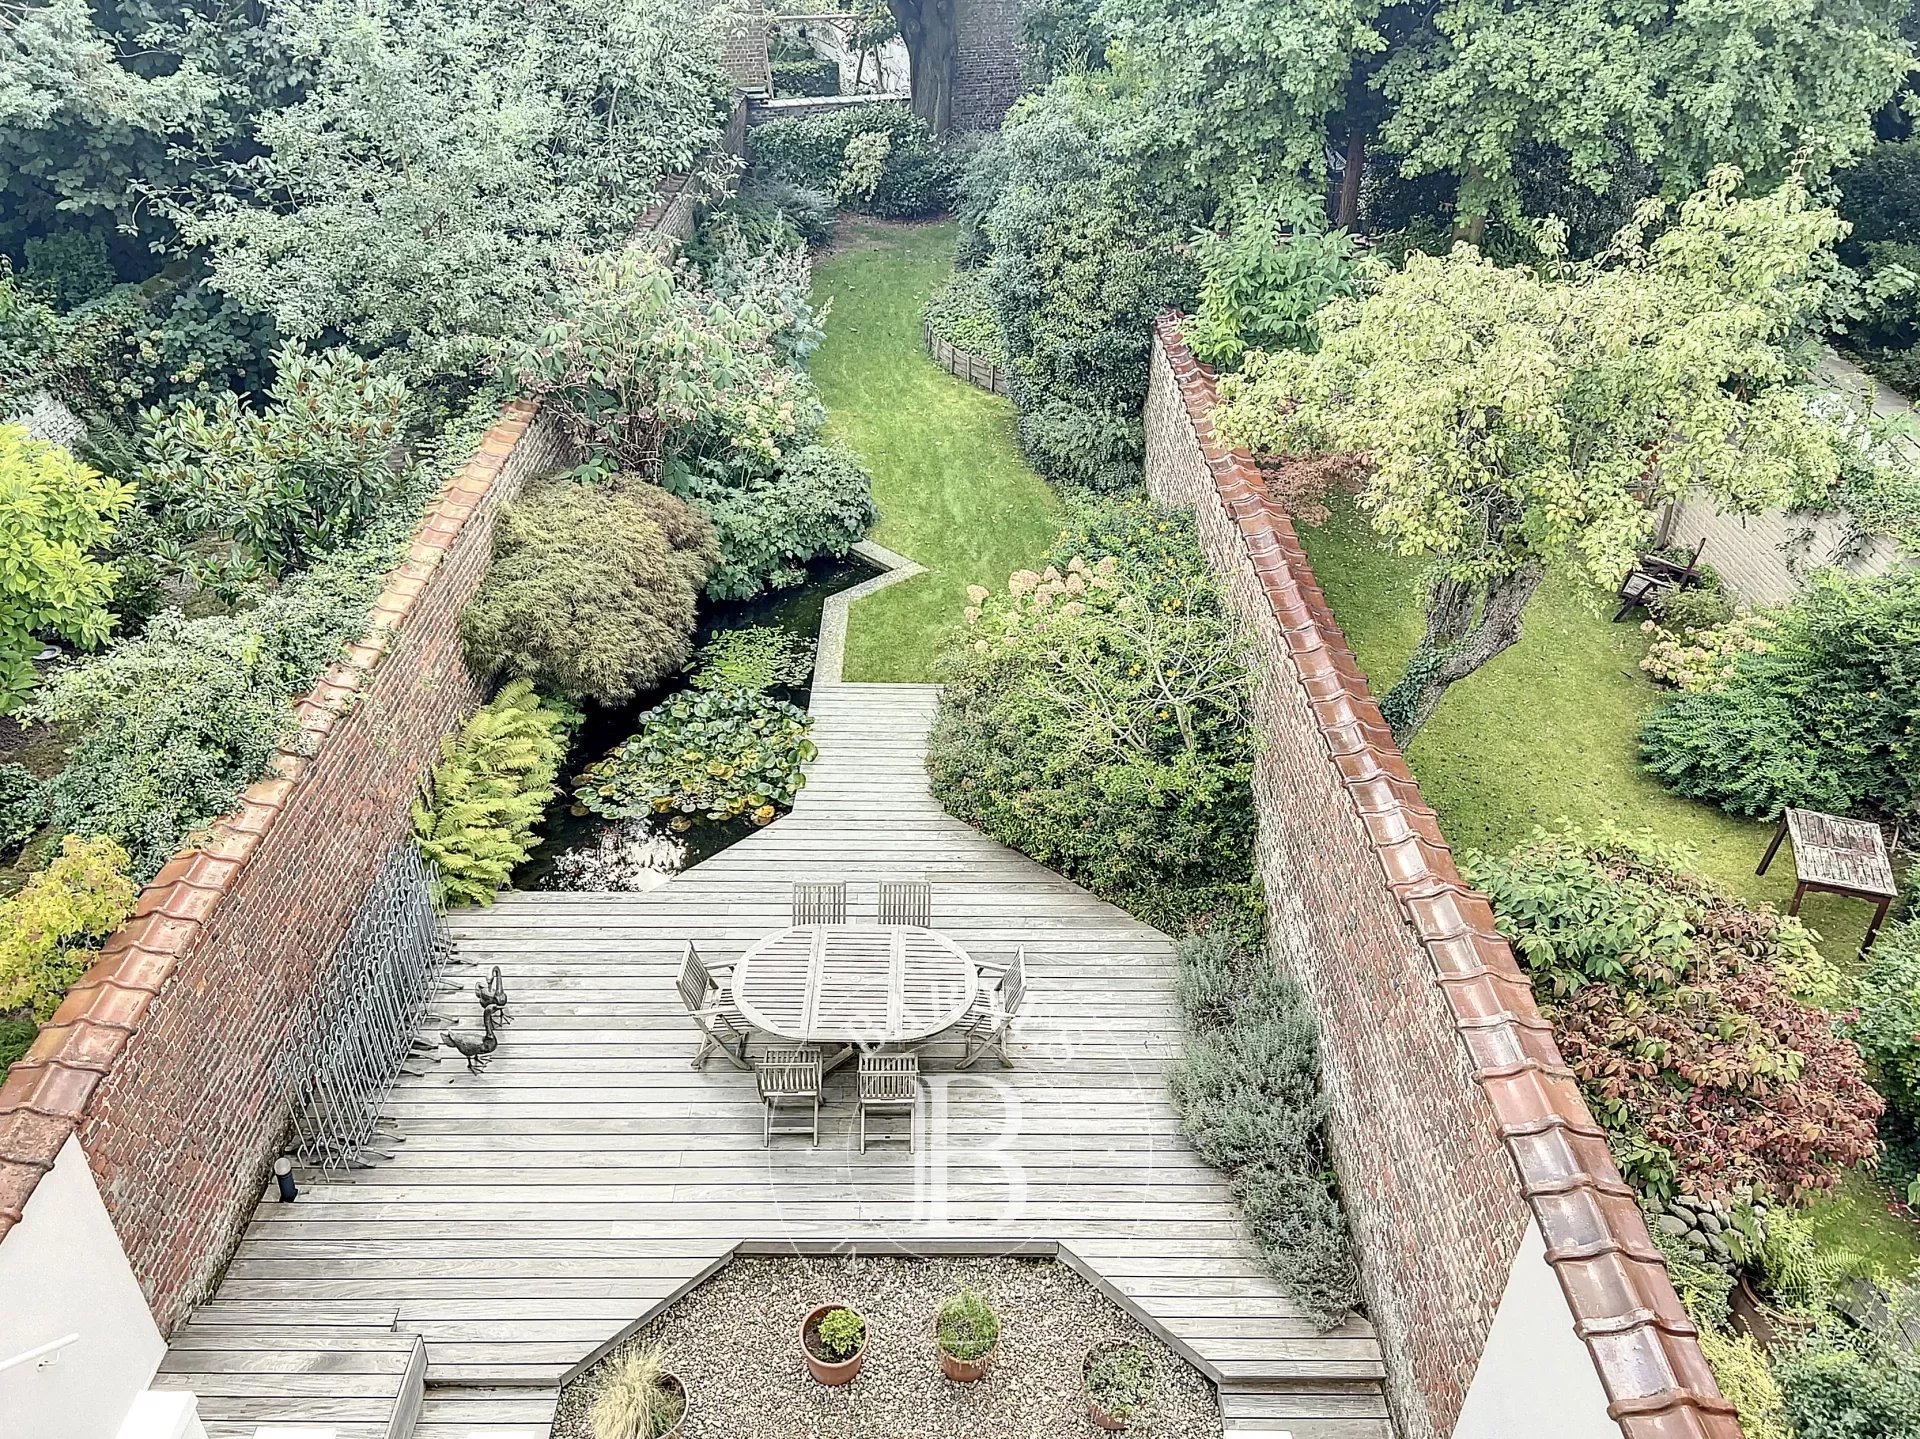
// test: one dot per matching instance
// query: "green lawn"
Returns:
(1547, 732)
(953, 491)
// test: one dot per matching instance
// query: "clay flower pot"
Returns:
(674, 1381)
(967, 1371)
(830, 1371)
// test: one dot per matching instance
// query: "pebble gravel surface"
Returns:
(735, 1341)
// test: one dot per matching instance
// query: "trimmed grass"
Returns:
(1548, 731)
(953, 490)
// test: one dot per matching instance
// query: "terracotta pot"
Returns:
(828, 1371)
(686, 1405)
(966, 1371)
(1097, 1416)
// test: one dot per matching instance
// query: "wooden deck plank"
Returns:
(530, 1215)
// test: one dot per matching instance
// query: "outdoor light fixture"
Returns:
(283, 1176)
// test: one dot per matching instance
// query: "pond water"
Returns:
(797, 609)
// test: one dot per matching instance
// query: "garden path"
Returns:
(535, 1212)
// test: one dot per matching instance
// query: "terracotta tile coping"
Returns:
(1623, 1304)
(45, 1097)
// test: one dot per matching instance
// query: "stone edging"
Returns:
(831, 654)
(1642, 1343)
(46, 1095)
(964, 364)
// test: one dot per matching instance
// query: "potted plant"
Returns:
(833, 1338)
(639, 1399)
(1120, 1385)
(967, 1333)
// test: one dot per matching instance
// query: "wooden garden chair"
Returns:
(722, 1026)
(820, 903)
(989, 1019)
(789, 1079)
(906, 901)
(889, 1083)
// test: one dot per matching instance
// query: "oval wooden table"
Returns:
(851, 985)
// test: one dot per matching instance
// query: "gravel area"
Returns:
(735, 1341)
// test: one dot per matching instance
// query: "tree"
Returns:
(55, 514)
(928, 30)
(1750, 83)
(446, 158)
(1521, 418)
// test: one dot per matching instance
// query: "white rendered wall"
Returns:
(1535, 1377)
(62, 1272)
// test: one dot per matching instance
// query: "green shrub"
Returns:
(769, 527)
(23, 805)
(488, 791)
(1093, 718)
(1689, 1018)
(810, 76)
(961, 313)
(766, 214)
(714, 754)
(1887, 1026)
(1697, 607)
(68, 268)
(1826, 717)
(54, 513)
(51, 930)
(16, 1038)
(1845, 1383)
(274, 487)
(966, 1325)
(1120, 1379)
(910, 177)
(1265, 280)
(757, 658)
(841, 1333)
(1248, 1091)
(1086, 445)
(592, 591)
(171, 726)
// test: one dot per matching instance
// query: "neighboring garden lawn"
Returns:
(1548, 731)
(952, 489)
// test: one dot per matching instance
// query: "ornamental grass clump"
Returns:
(1692, 1021)
(637, 1398)
(1248, 1091)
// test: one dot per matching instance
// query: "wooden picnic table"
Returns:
(1837, 855)
(850, 985)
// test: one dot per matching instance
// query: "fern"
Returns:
(493, 782)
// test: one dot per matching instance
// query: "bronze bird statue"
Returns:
(492, 994)
(478, 1052)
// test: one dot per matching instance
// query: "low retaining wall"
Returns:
(161, 1061)
(1473, 1174)
(983, 374)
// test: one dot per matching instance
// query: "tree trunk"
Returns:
(1349, 211)
(927, 29)
(1472, 227)
(1467, 625)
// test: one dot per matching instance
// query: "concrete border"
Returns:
(830, 657)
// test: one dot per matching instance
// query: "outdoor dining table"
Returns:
(848, 985)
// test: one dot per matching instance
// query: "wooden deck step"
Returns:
(362, 1382)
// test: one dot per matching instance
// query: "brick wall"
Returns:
(986, 66)
(162, 1058)
(1454, 1118)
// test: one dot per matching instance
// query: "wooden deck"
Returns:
(536, 1212)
